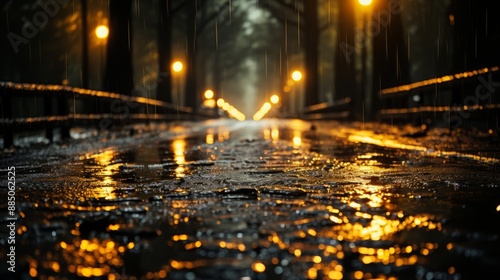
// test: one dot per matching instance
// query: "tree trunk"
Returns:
(345, 81)
(311, 42)
(191, 96)
(118, 77)
(164, 90)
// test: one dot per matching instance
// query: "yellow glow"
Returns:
(275, 99)
(209, 103)
(177, 66)
(209, 94)
(179, 147)
(102, 32)
(275, 134)
(90, 257)
(317, 259)
(296, 75)
(439, 80)
(365, 2)
(210, 138)
(258, 267)
(220, 102)
(262, 111)
(297, 252)
(297, 141)
(335, 275)
(266, 106)
(312, 273)
(108, 169)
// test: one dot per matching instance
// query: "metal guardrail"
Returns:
(339, 110)
(59, 116)
(453, 97)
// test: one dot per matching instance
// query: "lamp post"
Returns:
(177, 67)
(364, 49)
(296, 77)
(102, 33)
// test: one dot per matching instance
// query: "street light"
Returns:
(365, 2)
(177, 66)
(209, 94)
(275, 99)
(297, 75)
(102, 32)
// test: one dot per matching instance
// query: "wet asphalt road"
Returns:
(277, 199)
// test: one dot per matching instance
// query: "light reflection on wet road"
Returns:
(267, 200)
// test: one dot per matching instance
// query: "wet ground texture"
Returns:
(270, 200)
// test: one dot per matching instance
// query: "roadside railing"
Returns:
(29, 107)
(338, 110)
(449, 101)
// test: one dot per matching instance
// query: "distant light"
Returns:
(365, 2)
(209, 103)
(209, 94)
(177, 66)
(297, 75)
(416, 98)
(102, 32)
(275, 99)
(266, 107)
(220, 102)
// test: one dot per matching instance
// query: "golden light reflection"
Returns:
(106, 172)
(209, 139)
(90, 257)
(275, 134)
(258, 267)
(297, 139)
(390, 141)
(179, 147)
(267, 134)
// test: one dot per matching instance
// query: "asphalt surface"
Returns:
(276, 199)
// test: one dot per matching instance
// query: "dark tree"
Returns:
(308, 22)
(164, 90)
(390, 65)
(118, 76)
(311, 43)
(345, 81)
(191, 96)
(476, 36)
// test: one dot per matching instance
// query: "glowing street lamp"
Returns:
(177, 66)
(365, 2)
(275, 99)
(297, 75)
(102, 32)
(209, 94)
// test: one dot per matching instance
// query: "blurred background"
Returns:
(246, 51)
